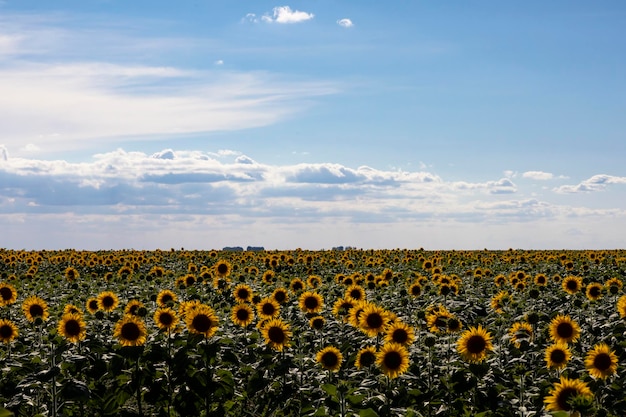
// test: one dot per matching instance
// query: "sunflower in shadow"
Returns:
(8, 294)
(399, 332)
(601, 361)
(202, 320)
(72, 327)
(330, 358)
(165, 298)
(35, 307)
(474, 344)
(557, 356)
(130, 331)
(366, 357)
(564, 329)
(564, 391)
(393, 360)
(166, 318)
(276, 334)
(8, 331)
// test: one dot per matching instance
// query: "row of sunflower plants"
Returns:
(286, 333)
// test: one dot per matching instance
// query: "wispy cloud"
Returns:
(284, 14)
(345, 22)
(595, 183)
(538, 175)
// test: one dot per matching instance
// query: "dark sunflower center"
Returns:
(572, 285)
(133, 309)
(243, 294)
(130, 331)
(6, 293)
(93, 305)
(36, 310)
(400, 336)
(594, 292)
(268, 309)
(280, 296)
(108, 301)
(202, 323)
(557, 356)
(297, 286)
(602, 362)
(318, 324)
(243, 314)
(6, 331)
(565, 330)
(166, 298)
(166, 319)
(374, 320)
(476, 344)
(190, 280)
(541, 280)
(416, 290)
(222, 268)
(367, 359)
(276, 335)
(72, 328)
(564, 396)
(311, 303)
(356, 294)
(330, 359)
(392, 360)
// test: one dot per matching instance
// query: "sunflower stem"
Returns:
(138, 383)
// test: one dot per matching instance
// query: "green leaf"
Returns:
(5, 413)
(367, 412)
(330, 389)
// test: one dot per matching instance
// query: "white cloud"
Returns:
(284, 14)
(595, 183)
(346, 23)
(219, 62)
(538, 175)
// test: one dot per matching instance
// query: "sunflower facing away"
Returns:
(242, 315)
(34, 307)
(276, 334)
(564, 391)
(564, 329)
(366, 357)
(165, 318)
(202, 320)
(107, 301)
(330, 358)
(130, 331)
(393, 359)
(8, 331)
(557, 356)
(601, 361)
(311, 302)
(72, 327)
(474, 344)
(8, 294)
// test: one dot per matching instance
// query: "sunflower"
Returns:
(601, 361)
(223, 268)
(572, 284)
(267, 308)
(8, 294)
(311, 302)
(317, 322)
(541, 280)
(269, 277)
(72, 309)
(520, 332)
(72, 327)
(330, 358)
(107, 301)
(356, 312)
(165, 318)
(365, 357)
(8, 331)
(202, 320)
(474, 344)
(557, 356)
(453, 324)
(280, 295)
(564, 329)
(356, 292)
(415, 289)
(276, 334)
(313, 281)
(34, 307)
(342, 307)
(373, 320)
(400, 333)
(242, 315)
(594, 291)
(92, 305)
(130, 331)
(621, 306)
(165, 297)
(393, 359)
(296, 285)
(499, 301)
(132, 307)
(71, 274)
(565, 390)
(437, 320)
(243, 293)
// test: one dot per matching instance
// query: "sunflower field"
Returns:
(312, 333)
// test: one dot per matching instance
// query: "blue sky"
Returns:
(203, 124)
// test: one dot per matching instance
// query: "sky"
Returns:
(312, 124)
